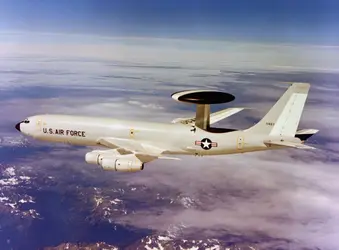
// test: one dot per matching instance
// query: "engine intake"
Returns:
(93, 156)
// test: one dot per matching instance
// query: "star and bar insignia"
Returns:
(206, 144)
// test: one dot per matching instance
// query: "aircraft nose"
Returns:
(17, 126)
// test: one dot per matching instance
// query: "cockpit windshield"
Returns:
(25, 121)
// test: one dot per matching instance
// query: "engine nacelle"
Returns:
(94, 156)
(130, 164)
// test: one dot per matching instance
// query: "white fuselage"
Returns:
(175, 138)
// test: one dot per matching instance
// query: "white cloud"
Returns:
(284, 198)
(145, 105)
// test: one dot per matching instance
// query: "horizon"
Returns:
(296, 22)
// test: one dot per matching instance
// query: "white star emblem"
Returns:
(206, 144)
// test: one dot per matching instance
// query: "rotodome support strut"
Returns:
(203, 99)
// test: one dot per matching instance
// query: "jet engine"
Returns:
(110, 160)
(131, 164)
(93, 157)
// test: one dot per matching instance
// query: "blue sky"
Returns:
(301, 21)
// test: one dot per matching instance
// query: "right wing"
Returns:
(143, 150)
(215, 117)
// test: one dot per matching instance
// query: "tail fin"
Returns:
(283, 118)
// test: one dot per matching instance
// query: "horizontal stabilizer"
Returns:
(214, 118)
(288, 144)
(307, 131)
(305, 134)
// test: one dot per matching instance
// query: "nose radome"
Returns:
(17, 126)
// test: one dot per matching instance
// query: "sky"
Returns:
(288, 21)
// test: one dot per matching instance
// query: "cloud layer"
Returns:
(287, 194)
(175, 52)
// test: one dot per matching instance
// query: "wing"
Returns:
(143, 150)
(215, 117)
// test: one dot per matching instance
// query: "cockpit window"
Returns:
(26, 121)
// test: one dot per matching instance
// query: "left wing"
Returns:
(215, 117)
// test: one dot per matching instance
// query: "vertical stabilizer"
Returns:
(283, 118)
